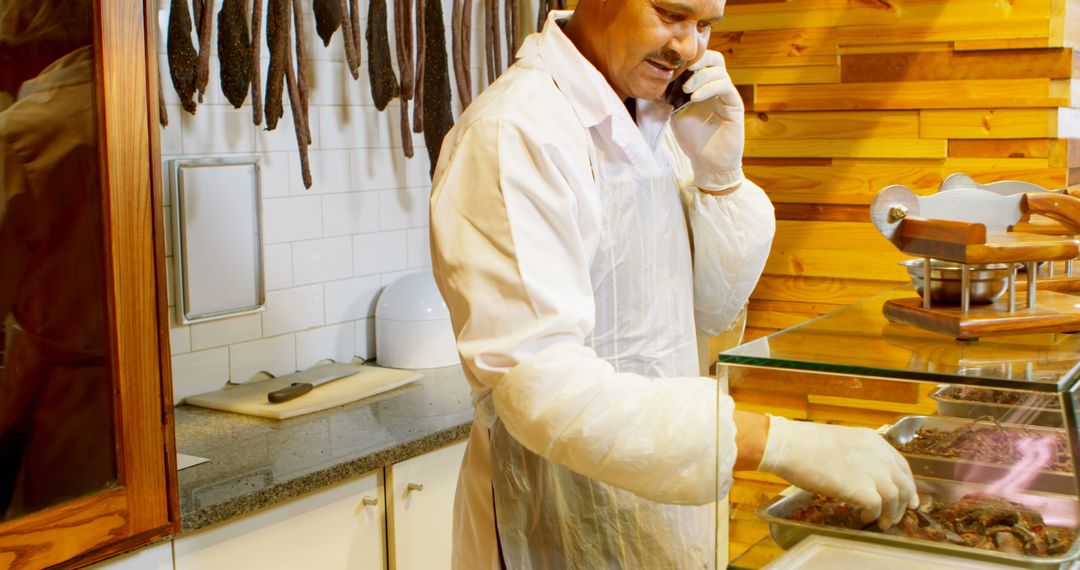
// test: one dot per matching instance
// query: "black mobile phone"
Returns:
(674, 93)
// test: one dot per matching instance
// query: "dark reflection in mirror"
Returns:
(56, 412)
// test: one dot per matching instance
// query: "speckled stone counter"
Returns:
(256, 462)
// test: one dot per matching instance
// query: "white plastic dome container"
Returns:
(412, 325)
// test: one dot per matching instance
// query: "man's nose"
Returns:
(684, 41)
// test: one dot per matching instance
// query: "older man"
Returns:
(581, 236)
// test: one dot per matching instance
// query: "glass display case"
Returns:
(989, 428)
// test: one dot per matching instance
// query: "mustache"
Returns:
(668, 57)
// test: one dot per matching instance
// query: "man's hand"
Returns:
(710, 129)
(855, 465)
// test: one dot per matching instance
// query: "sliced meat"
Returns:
(384, 85)
(421, 57)
(299, 120)
(352, 49)
(234, 51)
(163, 112)
(206, 31)
(278, 16)
(183, 59)
(437, 115)
(401, 19)
(255, 61)
(301, 65)
(327, 19)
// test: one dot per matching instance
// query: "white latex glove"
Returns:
(710, 129)
(854, 465)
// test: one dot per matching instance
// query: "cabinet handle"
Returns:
(369, 501)
(414, 487)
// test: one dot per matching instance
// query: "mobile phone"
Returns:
(674, 94)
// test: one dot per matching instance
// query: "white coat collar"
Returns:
(594, 101)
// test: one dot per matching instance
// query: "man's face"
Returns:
(648, 43)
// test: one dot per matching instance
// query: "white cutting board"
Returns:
(250, 398)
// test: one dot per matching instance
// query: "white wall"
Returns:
(328, 250)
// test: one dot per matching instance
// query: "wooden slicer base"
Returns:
(1053, 312)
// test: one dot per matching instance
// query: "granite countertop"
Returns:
(257, 462)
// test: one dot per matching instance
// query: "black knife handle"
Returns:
(294, 390)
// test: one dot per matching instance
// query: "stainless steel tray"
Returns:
(787, 533)
(956, 469)
(949, 405)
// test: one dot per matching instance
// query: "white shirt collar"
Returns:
(593, 99)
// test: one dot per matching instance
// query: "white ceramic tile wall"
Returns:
(329, 250)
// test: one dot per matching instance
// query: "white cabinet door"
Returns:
(157, 557)
(421, 496)
(337, 528)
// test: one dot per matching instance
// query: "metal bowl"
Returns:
(987, 282)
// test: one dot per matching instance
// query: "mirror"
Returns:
(57, 440)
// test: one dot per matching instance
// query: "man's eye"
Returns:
(668, 16)
(704, 26)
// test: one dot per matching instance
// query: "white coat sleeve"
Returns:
(732, 236)
(511, 239)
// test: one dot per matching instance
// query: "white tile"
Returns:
(419, 247)
(335, 341)
(418, 168)
(295, 309)
(166, 179)
(222, 332)
(179, 335)
(170, 274)
(167, 88)
(217, 129)
(378, 169)
(319, 260)
(278, 260)
(172, 141)
(365, 338)
(403, 208)
(351, 299)
(213, 94)
(329, 172)
(276, 355)
(356, 126)
(275, 174)
(292, 219)
(353, 213)
(283, 137)
(328, 82)
(167, 229)
(198, 372)
(388, 278)
(380, 252)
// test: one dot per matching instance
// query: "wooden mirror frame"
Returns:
(145, 506)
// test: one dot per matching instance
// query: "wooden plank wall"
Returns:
(845, 97)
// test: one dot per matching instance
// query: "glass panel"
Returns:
(860, 340)
(56, 411)
(995, 471)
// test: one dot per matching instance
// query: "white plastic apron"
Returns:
(549, 517)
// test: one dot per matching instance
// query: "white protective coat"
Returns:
(561, 246)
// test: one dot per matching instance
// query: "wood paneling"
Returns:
(845, 125)
(951, 65)
(958, 94)
(989, 123)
